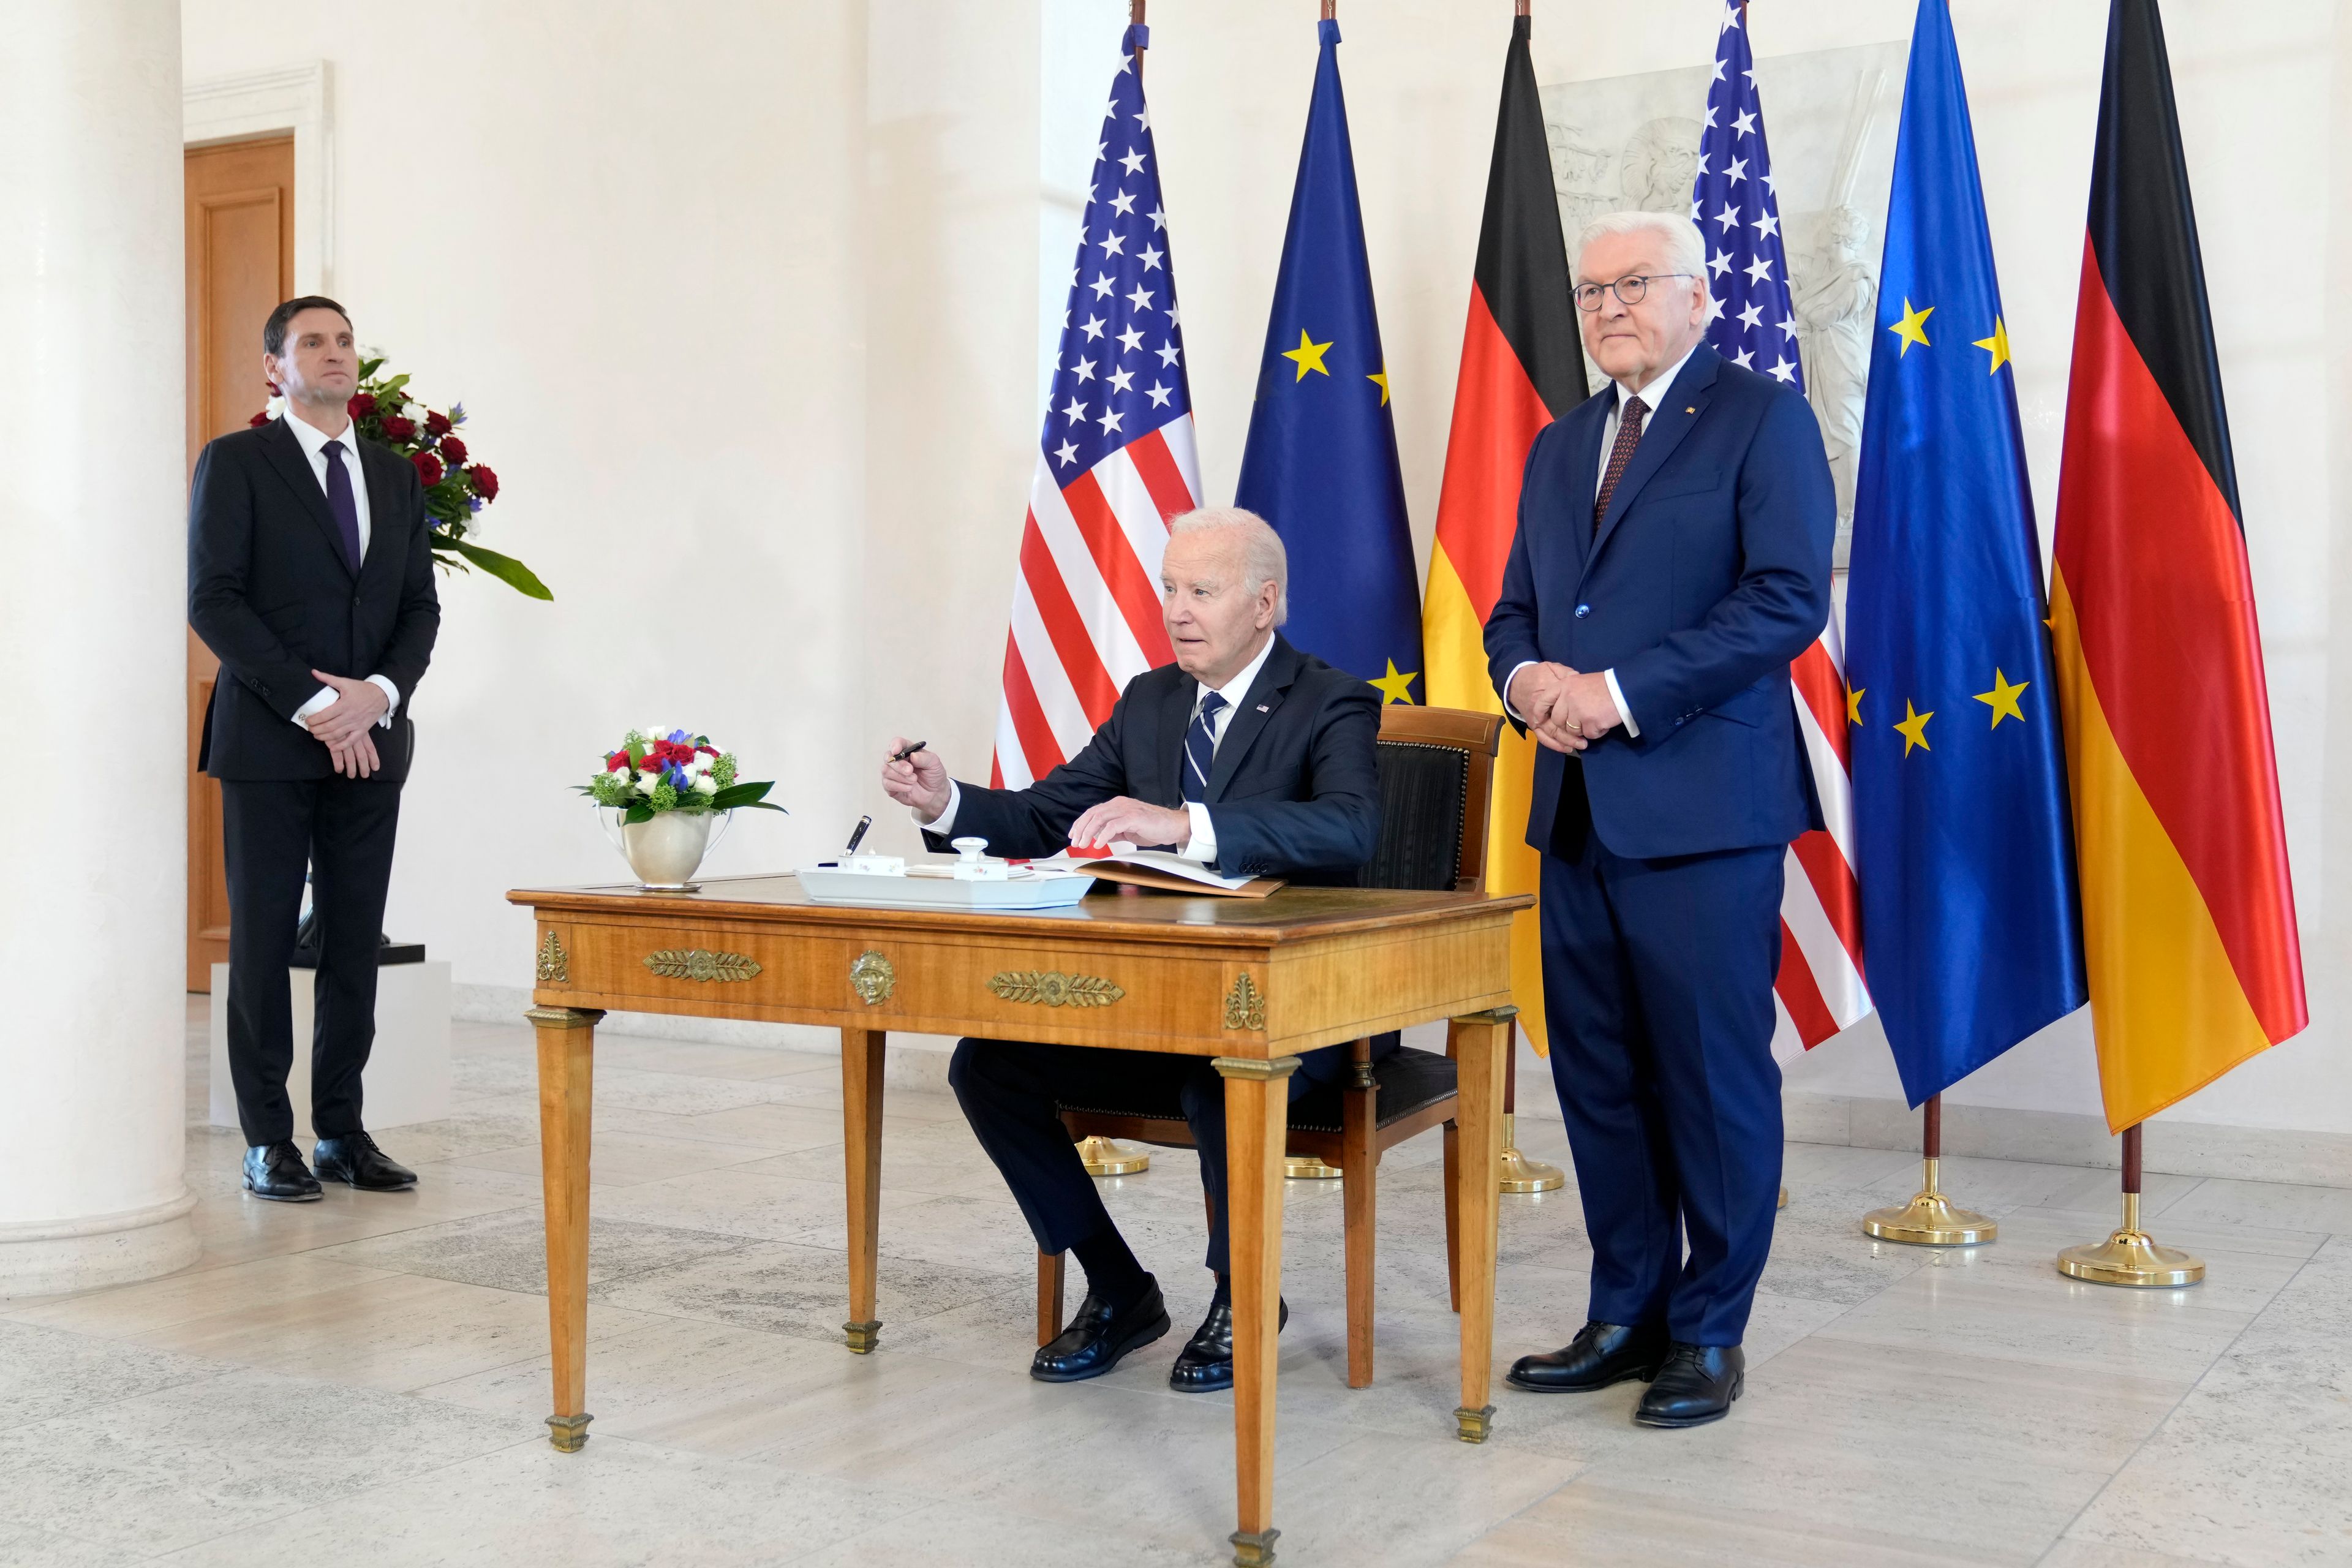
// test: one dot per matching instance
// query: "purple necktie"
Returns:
(340, 501)
(1629, 436)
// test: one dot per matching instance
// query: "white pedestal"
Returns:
(407, 1076)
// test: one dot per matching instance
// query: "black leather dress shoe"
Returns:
(355, 1159)
(1098, 1338)
(1695, 1386)
(276, 1171)
(1206, 1362)
(1601, 1354)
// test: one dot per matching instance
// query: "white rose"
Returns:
(706, 785)
(701, 763)
(646, 783)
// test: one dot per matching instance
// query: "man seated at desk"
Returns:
(1246, 755)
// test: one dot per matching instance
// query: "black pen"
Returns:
(857, 832)
(902, 756)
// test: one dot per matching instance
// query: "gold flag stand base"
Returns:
(1784, 1199)
(1515, 1173)
(1308, 1168)
(2130, 1257)
(1103, 1157)
(1929, 1219)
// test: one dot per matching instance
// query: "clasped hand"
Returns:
(1568, 710)
(347, 725)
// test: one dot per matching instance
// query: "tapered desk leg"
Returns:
(567, 1051)
(861, 1127)
(1482, 1044)
(1257, 1121)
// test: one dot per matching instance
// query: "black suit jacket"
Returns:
(1296, 791)
(271, 593)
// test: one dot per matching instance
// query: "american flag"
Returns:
(1115, 462)
(1736, 206)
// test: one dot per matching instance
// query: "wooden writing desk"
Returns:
(1248, 983)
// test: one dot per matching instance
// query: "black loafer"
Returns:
(1098, 1338)
(1695, 1386)
(355, 1159)
(276, 1171)
(1206, 1363)
(1601, 1354)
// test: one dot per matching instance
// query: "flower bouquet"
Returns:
(457, 487)
(663, 787)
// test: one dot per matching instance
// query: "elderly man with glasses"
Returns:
(1673, 557)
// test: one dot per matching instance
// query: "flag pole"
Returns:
(1515, 1173)
(2130, 1257)
(1105, 1156)
(1929, 1219)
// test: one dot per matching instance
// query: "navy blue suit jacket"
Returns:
(1710, 573)
(1294, 793)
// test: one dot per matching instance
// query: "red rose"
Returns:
(259, 419)
(362, 405)
(453, 451)
(616, 763)
(436, 424)
(428, 468)
(486, 483)
(395, 428)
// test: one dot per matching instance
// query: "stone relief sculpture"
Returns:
(1836, 294)
(1633, 141)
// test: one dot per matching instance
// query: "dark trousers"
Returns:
(1010, 1088)
(340, 830)
(1658, 983)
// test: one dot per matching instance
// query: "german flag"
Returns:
(1522, 366)
(2188, 911)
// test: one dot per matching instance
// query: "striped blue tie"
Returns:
(1201, 747)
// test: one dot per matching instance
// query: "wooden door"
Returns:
(240, 219)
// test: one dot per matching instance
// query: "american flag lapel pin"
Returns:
(1264, 708)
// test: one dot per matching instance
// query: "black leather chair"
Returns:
(1437, 767)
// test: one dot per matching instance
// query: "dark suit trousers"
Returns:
(1009, 1090)
(1658, 983)
(340, 830)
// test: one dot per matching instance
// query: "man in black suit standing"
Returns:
(1245, 754)
(310, 575)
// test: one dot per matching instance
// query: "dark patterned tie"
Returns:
(1629, 436)
(346, 508)
(1201, 747)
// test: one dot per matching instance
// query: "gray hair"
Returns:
(1264, 559)
(1685, 251)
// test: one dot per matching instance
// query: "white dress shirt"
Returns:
(1652, 390)
(1203, 847)
(314, 447)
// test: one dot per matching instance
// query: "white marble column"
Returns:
(92, 648)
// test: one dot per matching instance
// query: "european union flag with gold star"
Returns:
(1321, 460)
(1971, 933)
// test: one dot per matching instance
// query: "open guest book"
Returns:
(1159, 868)
(977, 880)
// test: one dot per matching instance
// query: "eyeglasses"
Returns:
(1632, 290)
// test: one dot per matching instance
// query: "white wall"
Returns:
(747, 311)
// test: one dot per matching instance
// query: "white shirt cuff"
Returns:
(1506, 692)
(1625, 714)
(1203, 848)
(390, 694)
(318, 704)
(945, 822)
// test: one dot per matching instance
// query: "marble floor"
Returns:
(362, 1379)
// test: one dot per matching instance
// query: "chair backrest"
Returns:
(1437, 778)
